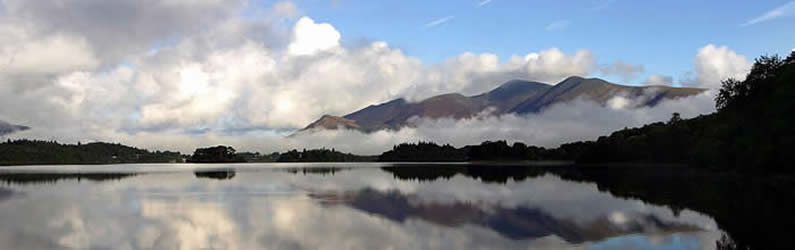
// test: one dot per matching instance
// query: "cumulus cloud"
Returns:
(655, 79)
(309, 37)
(626, 71)
(234, 81)
(714, 64)
(113, 29)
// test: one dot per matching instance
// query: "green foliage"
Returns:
(423, 152)
(752, 130)
(257, 157)
(217, 154)
(320, 155)
(20, 152)
(486, 151)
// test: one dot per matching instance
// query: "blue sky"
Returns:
(661, 35)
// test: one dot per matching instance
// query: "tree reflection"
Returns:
(217, 174)
(316, 170)
(487, 174)
(52, 178)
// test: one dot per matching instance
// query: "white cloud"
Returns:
(309, 37)
(234, 81)
(21, 53)
(785, 10)
(484, 2)
(558, 25)
(714, 64)
(626, 71)
(286, 8)
(438, 22)
(655, 79)
(114, 30)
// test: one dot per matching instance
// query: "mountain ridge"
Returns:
(8, 128)
(514, 96)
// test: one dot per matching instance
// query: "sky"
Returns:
(178, 74)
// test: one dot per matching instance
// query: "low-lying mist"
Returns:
(560, 123)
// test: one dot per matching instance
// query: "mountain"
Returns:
(7, 128)
(516, 96)
(600, 91)
(333, 122)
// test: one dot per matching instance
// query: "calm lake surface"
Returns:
(382, 206)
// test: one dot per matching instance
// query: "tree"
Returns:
(214, 154)
(675, 118)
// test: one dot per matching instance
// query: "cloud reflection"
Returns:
(361, 208)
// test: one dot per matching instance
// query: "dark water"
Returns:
(382, 206)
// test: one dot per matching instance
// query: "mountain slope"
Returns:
(512, 93)
(396, 113)
(7, 128)
(600, 91)
(514, 96)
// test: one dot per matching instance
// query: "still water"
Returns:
(336, 206)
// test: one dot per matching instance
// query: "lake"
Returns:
(388, 206)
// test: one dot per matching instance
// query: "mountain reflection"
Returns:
(517, 223)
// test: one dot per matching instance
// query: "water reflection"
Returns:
(516, 223)
(269, 206)
(52, 178)
(222, 174)
(5, 194)
(316, 170)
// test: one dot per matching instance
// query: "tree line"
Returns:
(226, 154)
(50, 152)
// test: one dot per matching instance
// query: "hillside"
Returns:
(23, 152)
(516, 96)
(7, 128)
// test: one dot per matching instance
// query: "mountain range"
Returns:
(7, 128)
(512, 97)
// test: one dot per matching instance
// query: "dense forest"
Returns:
(226, 154)
(29, 152)
(321, 155)
(217, 154)
(423, 152)
(46, 152)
